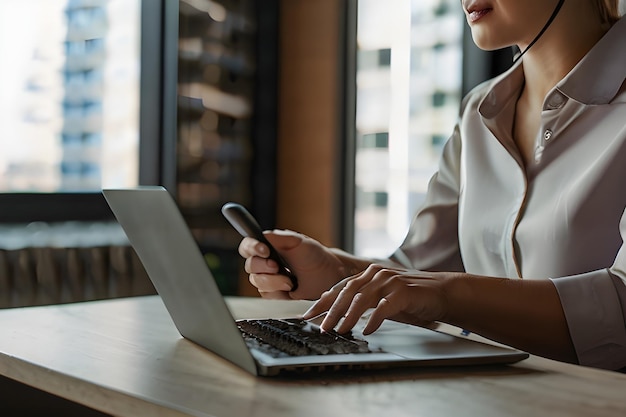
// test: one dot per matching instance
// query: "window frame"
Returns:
(157, 129)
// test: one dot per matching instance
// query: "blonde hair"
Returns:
(608, 10)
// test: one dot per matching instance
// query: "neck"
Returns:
(572, 34)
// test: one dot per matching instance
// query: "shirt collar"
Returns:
(596, 79)
(505, 87)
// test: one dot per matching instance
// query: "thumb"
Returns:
(284, 240)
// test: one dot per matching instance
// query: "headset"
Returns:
(519, 54)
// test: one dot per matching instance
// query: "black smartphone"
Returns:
(247, 226)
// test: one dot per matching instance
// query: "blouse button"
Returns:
(556, 101)
(547, 135)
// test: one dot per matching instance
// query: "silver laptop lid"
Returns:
(178, 271)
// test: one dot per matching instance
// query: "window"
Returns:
(86, 104)
(69, 112)
(408, 90)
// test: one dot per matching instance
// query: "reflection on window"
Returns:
(69, 108)
(408, 93)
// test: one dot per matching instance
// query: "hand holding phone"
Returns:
(247, 226)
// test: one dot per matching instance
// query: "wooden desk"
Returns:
(124, 357)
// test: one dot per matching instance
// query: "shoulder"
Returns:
(476, 95)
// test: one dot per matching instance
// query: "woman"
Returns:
(521, 238)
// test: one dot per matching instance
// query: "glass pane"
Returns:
(408, 94)
(69, 108)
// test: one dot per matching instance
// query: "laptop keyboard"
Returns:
(296, 337)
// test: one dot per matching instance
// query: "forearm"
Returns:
(523, 313)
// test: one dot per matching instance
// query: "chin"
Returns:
(488, 44)
(491, 48)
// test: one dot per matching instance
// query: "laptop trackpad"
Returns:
(418, 343)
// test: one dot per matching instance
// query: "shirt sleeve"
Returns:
(432, 241)
(594, 304)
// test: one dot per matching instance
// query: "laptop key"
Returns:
(298, 337)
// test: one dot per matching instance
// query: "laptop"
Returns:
(172, 259)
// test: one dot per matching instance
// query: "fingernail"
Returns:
(272, 264)
(263, 250)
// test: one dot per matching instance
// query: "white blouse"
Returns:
(560, 217)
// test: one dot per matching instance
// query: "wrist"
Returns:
(457, 291)
(348, 264)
